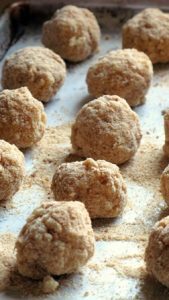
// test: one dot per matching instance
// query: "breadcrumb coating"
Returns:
(106, 128)
(73, 33)
(148, 31)
(126, 73)
(98, 184)
(56, 239)
(38, 68)
(22, 118)
(157, 252)
(12, 170)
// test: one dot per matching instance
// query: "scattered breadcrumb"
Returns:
(49, 285)
(126, 269)
(52, 150)
(145, 206)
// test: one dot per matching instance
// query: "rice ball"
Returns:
(126, 73)
(73, 33)
(157, 252)
(148, 31)
(38, 68)
(56, 239)
(12, 170)
(98, 184)
(106, 128)
(22, 118)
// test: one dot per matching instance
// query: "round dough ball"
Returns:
(166, 129)
(73, 33)
(148, 31)
(157, 252)
(98, 184)
(22, 118)
(12, 170)
(57, 239)
(165, 184)
(126, 73)
(40, 69)
(106, 128)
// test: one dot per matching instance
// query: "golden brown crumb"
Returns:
(57, 239)
(49, 285)
(73, 33)
(106, 128)
(126, 73)
(22, 118)
(127, 270)
(53, 149)
(148, 31)
(12, 170)
(38, 68)
(98, 184)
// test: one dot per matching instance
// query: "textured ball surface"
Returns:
(98, 184)
(57, 239)
(22, 118)
(148, 31)
(107, 129)
(73, 33)
(157, 252)
(12, 170)
(126, 73)
(38, 68)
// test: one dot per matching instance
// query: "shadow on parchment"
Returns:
(163, 163)
(102, 222)
(164, 213)
(72, 157)
(158, 68)
(20, 287)
(152, 290)
(83, 101)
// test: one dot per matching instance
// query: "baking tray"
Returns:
(117, 270)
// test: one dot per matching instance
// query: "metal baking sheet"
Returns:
(104, 276)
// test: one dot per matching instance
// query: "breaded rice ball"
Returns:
(148, 31)
(38, 68)
(126, 73)
(56, 239)
(157, 252)
(166, 129)
(22, 118)
(98, 184)
(165, 184)
(12, 170)
(106, 128)
(73, 33)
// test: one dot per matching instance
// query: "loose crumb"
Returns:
(49, 285)
(145, 206)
